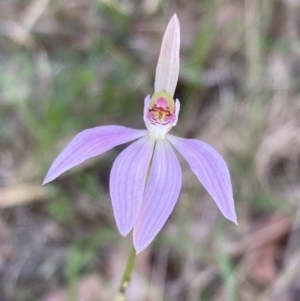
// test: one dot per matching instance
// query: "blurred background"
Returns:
(74, 64)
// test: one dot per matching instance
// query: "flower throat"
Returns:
(161, 109)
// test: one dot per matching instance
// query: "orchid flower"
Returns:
(146, 177)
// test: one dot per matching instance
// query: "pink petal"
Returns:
(146, 108)
(177, 109)
(90, 143)
(127, 182)
(160, 196)
(211, 170)
(167, 69)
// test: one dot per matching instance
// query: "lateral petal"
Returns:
(90, 143)
(211, 170)
(160, 195)
(127, 182)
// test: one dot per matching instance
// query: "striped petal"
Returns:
(160, 196)
(211, 170)
(167, 69)
(90, 143)
(127, 182)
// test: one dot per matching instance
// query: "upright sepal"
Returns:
(167, 69)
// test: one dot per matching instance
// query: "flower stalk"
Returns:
(121, 295)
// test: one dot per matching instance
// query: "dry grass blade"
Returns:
(280, 290)
(19, 32)
(21, 194)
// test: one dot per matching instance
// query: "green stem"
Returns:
(126, 276)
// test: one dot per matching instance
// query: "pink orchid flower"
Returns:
(146, 177)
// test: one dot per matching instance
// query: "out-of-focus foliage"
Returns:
(69, 65)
